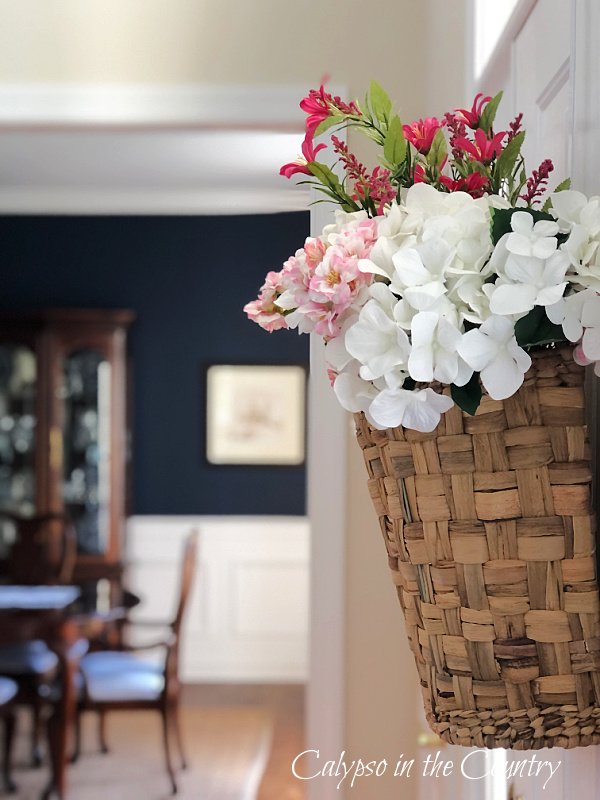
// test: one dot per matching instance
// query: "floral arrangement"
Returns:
(443, 269)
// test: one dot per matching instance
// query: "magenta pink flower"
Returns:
(319, 105)
(481, 149)
(300, 165)
(419, 175)
(474, 184)
(471, 117)
(421, 133)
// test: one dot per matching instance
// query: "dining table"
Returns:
(49, 613)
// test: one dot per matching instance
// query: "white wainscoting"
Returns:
(248, 614)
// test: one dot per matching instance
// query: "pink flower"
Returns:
(482, 149)
(419, 175)
(421, 133)
(474, 184)
(472, 117)
(319, 105)
(315, 250)
(300, 165)
(579, 357)
(264, 310)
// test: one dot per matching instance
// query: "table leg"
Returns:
(60, 724)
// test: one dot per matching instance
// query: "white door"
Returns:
(546, 57)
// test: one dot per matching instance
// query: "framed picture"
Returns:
(255, 414)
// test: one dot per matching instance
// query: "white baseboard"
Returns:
(248, 615)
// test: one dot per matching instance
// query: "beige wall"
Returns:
(230, 41)
(417, 50)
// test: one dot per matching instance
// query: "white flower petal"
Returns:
(522, 222)
(446, 366)
(409, 267)
(543, 248)
(550, 295)
(591, 344)
(423, 297)
(512, 298)
(352, 393)
(388, 408)
(518, 244)
(502, 378)
(477, 350)
(567, 205)
(420, 364)
(464, 374)
(422, 327)
(424, 411)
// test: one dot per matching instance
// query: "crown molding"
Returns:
(175, 202)
(143, 105)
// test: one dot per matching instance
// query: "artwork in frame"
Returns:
(255, 414)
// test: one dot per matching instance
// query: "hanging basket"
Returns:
(490, 537)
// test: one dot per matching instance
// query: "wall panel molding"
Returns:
(248, 615)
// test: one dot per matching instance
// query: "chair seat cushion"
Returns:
(118, 677)
(27, 658)
(8, 690)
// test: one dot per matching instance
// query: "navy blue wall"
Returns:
(187, 279)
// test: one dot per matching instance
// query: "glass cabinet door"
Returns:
(18, 420)
(86, 396)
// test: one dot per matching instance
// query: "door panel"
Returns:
(538, 72)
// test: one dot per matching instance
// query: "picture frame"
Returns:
(255, 414)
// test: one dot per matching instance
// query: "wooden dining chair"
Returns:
(43, 552)
(121, 680)
(8, 693)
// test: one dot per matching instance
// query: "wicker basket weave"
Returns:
(488, 527)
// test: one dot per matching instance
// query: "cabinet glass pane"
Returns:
(18, 385)
(86, 447)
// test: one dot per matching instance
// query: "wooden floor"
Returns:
(286, 705)
(241, 741)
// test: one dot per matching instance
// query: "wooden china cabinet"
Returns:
(63, 426)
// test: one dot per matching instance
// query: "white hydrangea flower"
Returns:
(420, 272)
(493, 351)
(527, 281)
(567, 312)
(419, 410)
(529, 238)
(573, 208)
(353, 393)
(590, 319)
(378, 342)
(434, 353)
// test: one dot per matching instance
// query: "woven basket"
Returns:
(488, 527)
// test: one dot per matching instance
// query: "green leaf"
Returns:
(501, 220)
(563, 186)
(489, 113)
(380, 103)
(438, 151)
(324, 174)
(334, 119)
(536, 329)
(508, 157)
(394, 146)
(468, 396)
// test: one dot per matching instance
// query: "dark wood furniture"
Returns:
(44, 613)
(120, 680)
(8, 692)
(63, 426)
(43, 552)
